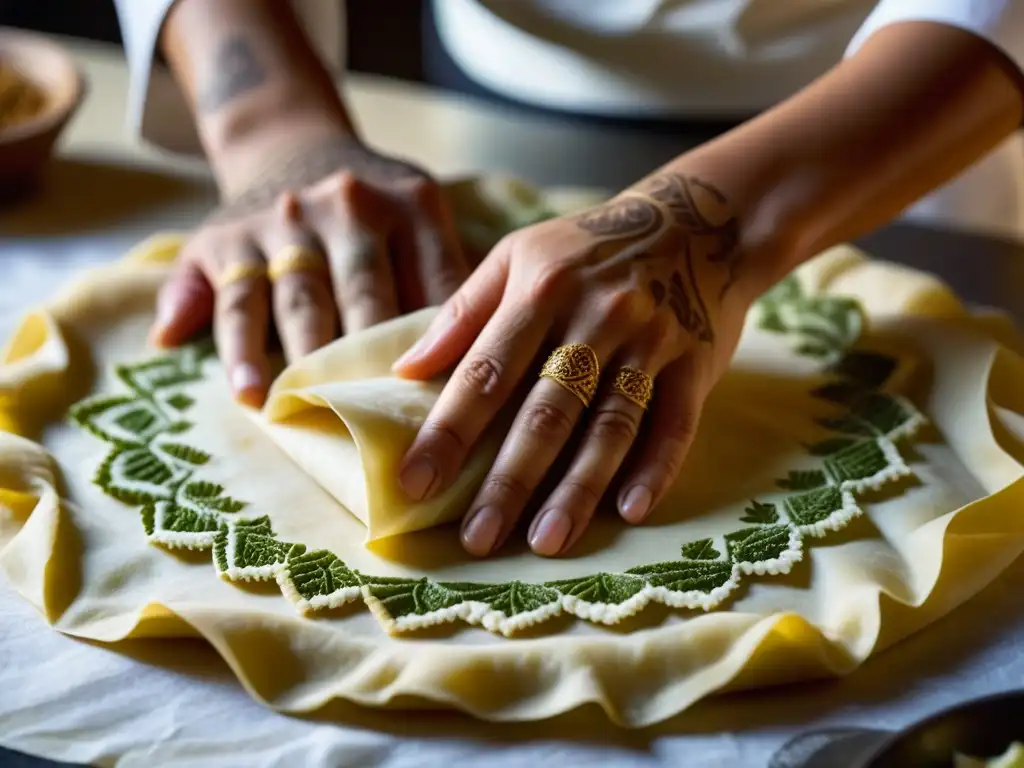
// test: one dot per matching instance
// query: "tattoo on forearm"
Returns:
(236, 69)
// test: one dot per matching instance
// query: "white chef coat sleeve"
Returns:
(157, 110)
(1001, 22)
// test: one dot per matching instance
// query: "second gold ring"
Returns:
(634, 385)
(295, 258)
(239, 271)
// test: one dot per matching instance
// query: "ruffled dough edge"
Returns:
(637, 679)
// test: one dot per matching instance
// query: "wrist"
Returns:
(918, 104)
(240, 141)
(739, 211)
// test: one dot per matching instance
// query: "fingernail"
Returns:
(246, 379)
(164, 314)
(421, 345)
(480, 533)
(412, 353)
(636, 504)
(162, 321)
(417, 479)
(549, 531)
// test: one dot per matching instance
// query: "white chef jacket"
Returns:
(655, 58)
(631, 58)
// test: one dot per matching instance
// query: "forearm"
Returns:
(252, 81)
(917, 105)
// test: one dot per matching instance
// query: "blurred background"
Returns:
(93, 19)
(397, 39)
(386, 35)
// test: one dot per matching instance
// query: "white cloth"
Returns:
(682, 57)
(83, 702)
(608, 57)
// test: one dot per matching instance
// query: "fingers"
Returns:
(612, 428)
(442, 266)
(361, 273)
(539, 434)
(184, 305)
(478, 388)
(241, 319)
(460, 321)
(675, 414)
(303, 302)
(354, 223)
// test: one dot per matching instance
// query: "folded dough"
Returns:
(346, 421)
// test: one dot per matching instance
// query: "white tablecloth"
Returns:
(81, 702)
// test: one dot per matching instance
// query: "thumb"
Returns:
(461, 319)
(184, 306)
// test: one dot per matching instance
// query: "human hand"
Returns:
(349, 237)
(651, 283)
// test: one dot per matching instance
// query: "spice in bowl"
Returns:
(20, 99)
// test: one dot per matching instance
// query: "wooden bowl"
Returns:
(26, 146)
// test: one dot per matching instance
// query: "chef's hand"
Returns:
(329, 239)
(651, 284)
(320, 234)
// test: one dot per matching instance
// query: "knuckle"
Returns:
(288, 207)
(238, 302)
(458, 308)
(302, 297)
(482, 375)
(424, 192)
(550, 283)
(610, 424)
(582, 491)
(444, 438)
(346, 186)
(448, 275)
(666, 469)
(683, 424)
(669, 452)
(547, 421)
(359, 266)
(504, 485)
(360, 288)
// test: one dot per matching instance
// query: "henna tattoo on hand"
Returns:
(705, 225)
(683, 195)
(690, 314)
(657, 292)
(624, 217)
(236, 69)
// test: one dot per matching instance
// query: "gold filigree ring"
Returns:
(295, 258)
(240, 270)
(634, 385)
(575, 367)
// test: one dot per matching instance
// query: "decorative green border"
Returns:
(149, 467)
